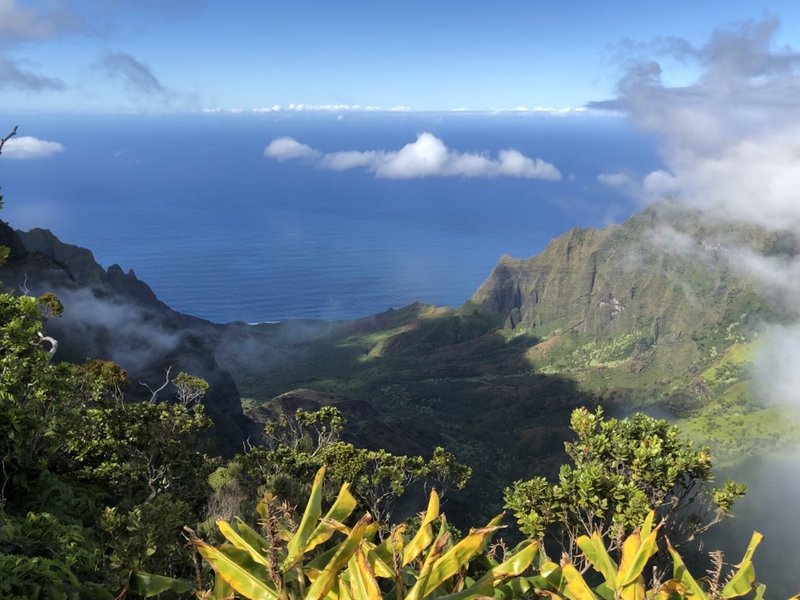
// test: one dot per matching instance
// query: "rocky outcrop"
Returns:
(111, 314)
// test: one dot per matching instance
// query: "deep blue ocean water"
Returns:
(191, 204)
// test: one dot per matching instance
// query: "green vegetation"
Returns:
(92, 487)
(290, 558)
(620, 470)
(299, 444)
(296, 562)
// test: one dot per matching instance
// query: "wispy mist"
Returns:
(730, 143)
(119, 330)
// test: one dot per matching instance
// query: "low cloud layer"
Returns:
(428, 156)
(121, 330)
(729, 140)
(27, 147)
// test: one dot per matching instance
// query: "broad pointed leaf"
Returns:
(636, 552)
(681, 574)
(342, 508)
(362, 579)
(745, 577)
(424, 535)
(299, 541)
(512, 567)
(232, 570)
(458, 557)
(222, 590)
(595, 551)
(147, 585)
(576, 586)
(328, 576)
(239, 542)
(379, 566)
(416, 592)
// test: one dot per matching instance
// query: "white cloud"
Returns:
(422, 158)
(27, 147)
(515, 164)
(556, 111)
(730, 141)
(428, 156)
(301, 107)
(286, 148)
(617, 180)
(344, 161)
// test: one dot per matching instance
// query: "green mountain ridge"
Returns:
(650, 314)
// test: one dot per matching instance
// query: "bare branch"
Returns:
(8, 137)
(53, 344)
(154, 393)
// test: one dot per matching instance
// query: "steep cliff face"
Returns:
(646, 306)
(662, 271)
(558, 286)
(112, 315)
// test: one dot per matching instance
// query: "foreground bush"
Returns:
(284, 560)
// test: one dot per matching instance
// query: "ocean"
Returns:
(220, 231)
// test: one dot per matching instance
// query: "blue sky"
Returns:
(188, 55)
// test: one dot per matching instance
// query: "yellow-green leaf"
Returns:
(299, 541)
(416, 592)
(745, 577)
(379, 565)
(315, 566)
(239, 542)
(636, 552)
(515, 565)
(327, 578)
(681, 574)
(647, 526)
(457, 557)
(238, 576)
(595, 551)
(424, 535)
(147, 585)
(362, 579)
(576, 588)
(392, 546)
(512, 567)
(342, 508)
(340, 591)
(222, 590)
(251, 536)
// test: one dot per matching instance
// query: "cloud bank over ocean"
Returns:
(428, 156)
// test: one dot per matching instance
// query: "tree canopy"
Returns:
(620, 469)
